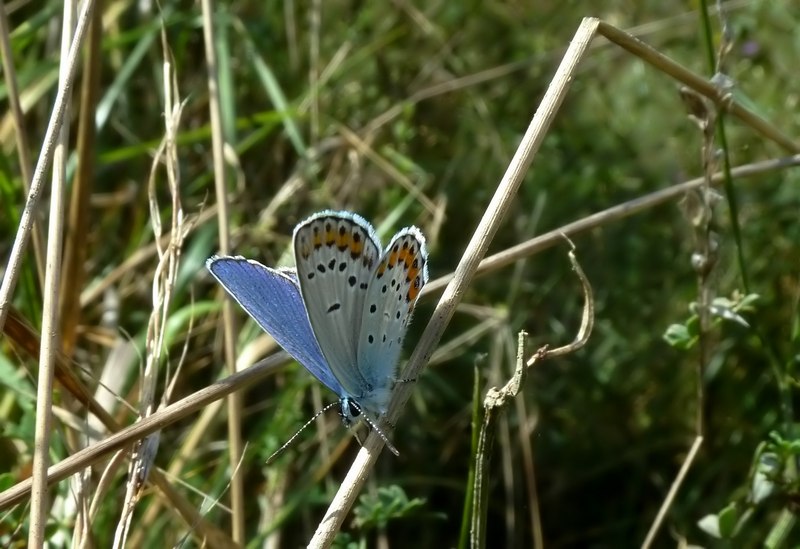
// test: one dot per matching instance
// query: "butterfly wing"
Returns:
(272, 298)
(392, 293)
(336, 254)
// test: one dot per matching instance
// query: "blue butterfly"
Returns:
(343, 312)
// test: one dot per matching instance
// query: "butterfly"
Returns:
(343, 311)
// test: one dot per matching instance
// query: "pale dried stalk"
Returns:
(673, 491)
(235, 446)
(163, 282)
(159, 420)
(50, 343)
(21, 139)
(614, 213)
(45, 156)
(19, 332)
(719, 96)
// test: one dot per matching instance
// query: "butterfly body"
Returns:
(344, 311)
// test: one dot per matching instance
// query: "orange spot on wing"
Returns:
(343, 240)
(414, 264)
(356, 247)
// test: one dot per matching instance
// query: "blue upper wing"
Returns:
(272, 298)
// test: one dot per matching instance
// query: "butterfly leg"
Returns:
(409, 380)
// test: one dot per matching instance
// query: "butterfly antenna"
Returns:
(289, 442)
(375, 428)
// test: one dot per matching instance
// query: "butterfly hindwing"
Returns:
(393, 290)
(272, 298)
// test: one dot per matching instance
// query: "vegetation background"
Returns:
(408, 113)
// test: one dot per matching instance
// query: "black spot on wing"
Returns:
(334, 307)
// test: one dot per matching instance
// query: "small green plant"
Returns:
(772, 482)
(375, 511)
(685, 336)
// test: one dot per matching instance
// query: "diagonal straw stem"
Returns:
(466, 269)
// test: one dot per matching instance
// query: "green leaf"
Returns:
(728, 518)
(678, 336)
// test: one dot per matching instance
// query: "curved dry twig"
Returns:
(497, 399)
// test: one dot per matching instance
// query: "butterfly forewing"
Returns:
(336, 254)
(393, 290)
(272, 298)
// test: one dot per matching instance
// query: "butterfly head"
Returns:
(350, 411)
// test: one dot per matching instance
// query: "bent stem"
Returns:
(498, 399)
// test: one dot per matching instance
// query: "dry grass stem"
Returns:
(162, 418)
(166, 272)
(235, 445)
(45, 157)
(719, 96)
(23, 335)
(40, 504)
(673, 491)
(23, 143)
(78, 223)
(615, 213)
